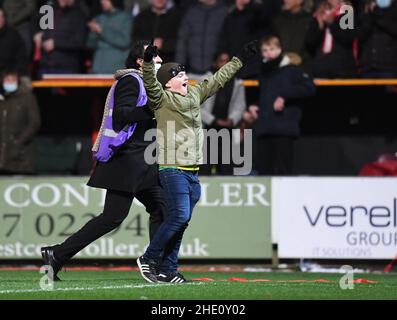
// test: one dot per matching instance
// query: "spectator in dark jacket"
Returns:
(19, 123)
(247, 20)
(282, 84)
(291, 26)
(12, 49)
(134, 7)
(19, 16)
(330, 45)
(378, 40)
(61, 47)
(160, 22)
(198, 36)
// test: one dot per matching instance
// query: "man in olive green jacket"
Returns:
(180, 139)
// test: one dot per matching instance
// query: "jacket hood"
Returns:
(122, 72)
(291, 58)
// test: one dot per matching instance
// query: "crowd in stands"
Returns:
(300, 40)
(94, 36)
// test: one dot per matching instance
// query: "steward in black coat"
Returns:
(127, 170)
(126, 176)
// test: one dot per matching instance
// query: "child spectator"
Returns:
(110, 38)
(281, 85)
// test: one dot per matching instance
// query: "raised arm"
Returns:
(210, 86)
(153, 88)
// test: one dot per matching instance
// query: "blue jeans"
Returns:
(182, 191)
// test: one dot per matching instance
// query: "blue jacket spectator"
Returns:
(109, 37)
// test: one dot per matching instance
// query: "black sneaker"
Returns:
(171, 278)
(49, 259)
(147, 269)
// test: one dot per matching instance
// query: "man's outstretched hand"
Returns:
(150, 52)
(248, 51)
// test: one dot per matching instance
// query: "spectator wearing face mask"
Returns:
(378, 39)
(19, 123)
(109, 37)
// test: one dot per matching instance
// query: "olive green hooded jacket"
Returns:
(179, 127)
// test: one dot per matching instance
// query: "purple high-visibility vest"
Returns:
(110, 140)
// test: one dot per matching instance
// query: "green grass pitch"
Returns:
(125, 285)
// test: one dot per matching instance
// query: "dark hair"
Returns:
(9, 71)
(137, 51)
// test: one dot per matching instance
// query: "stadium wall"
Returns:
(237, 218)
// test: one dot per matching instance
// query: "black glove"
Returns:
(150, 52)
(248, 51)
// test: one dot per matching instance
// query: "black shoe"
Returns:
(147, 269)
(171, 278)
(49, 259)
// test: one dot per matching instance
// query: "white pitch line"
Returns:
(95, 288)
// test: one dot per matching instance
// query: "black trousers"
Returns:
(275, 155)
(117, 206)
